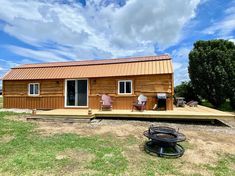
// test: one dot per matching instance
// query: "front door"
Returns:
(76, 93)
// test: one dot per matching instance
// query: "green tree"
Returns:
(212, 70)
(186, 90)
(231, 84)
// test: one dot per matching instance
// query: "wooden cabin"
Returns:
(79, 84)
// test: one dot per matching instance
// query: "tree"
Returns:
(186, 90)
(231, 85)
(212, 70)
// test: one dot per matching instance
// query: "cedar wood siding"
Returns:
(15, 93)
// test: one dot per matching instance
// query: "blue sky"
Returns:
(38, 31)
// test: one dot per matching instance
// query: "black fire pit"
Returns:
(163, 141)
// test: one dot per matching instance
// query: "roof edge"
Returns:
(3, 77)
(96, 62)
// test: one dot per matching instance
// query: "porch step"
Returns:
(59, 119)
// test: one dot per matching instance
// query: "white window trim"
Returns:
(125, 87)
(33, 89)
(65, 93)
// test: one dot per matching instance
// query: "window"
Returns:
(125, 87)
(33, 89)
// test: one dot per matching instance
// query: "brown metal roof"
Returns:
(96, 62)
(91, 69)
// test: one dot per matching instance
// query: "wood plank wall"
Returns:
(15, 93)
(149, 85)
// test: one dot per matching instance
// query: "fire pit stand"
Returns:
(163, 141)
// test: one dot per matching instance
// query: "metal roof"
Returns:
(90, 69)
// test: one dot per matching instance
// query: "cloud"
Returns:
(181, 75)
(225, 26)
(58, 31)
(180, 58)
(181, 54)
(42, 56)
(177, 65)
(152, 21)
(8, 63)
(98, 30)
(3, 68)
(232, 40)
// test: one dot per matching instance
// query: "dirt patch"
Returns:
(17, 117)
(78, 155)
(194, 170)
(203, 145)
(79, 161)
(6, 138)
(136, 159)
(207, 146)
(121, 130)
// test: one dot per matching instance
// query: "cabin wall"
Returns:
(149, 85)
(15, 93)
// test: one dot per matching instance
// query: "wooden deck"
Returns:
(199, 112)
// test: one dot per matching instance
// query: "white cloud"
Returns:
(225, 26)
(177, 65)
(180, 58)
(5, 65)
(181, 75)
(152, 21)
(181, 54)
(43, 56)
(232, 40)
(95, 31)
(8, 63)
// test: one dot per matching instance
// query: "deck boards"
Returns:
(199, 112)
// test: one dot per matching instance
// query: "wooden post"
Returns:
(34, 112)
(89, 112)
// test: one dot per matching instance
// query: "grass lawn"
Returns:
(26, 151)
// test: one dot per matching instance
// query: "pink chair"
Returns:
(106, 102)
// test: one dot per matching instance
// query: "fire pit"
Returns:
(163, 141)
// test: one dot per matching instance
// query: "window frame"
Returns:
(29, 85)
(125, 81)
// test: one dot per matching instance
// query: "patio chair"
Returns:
(106, 102)
(193, 104)
(180, 102)
(188, 103)
(140, 104)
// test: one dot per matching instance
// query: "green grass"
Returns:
(224, 166)
(23, 151)
(162, 166)
(29, 152)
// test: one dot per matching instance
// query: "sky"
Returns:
(36, 31)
